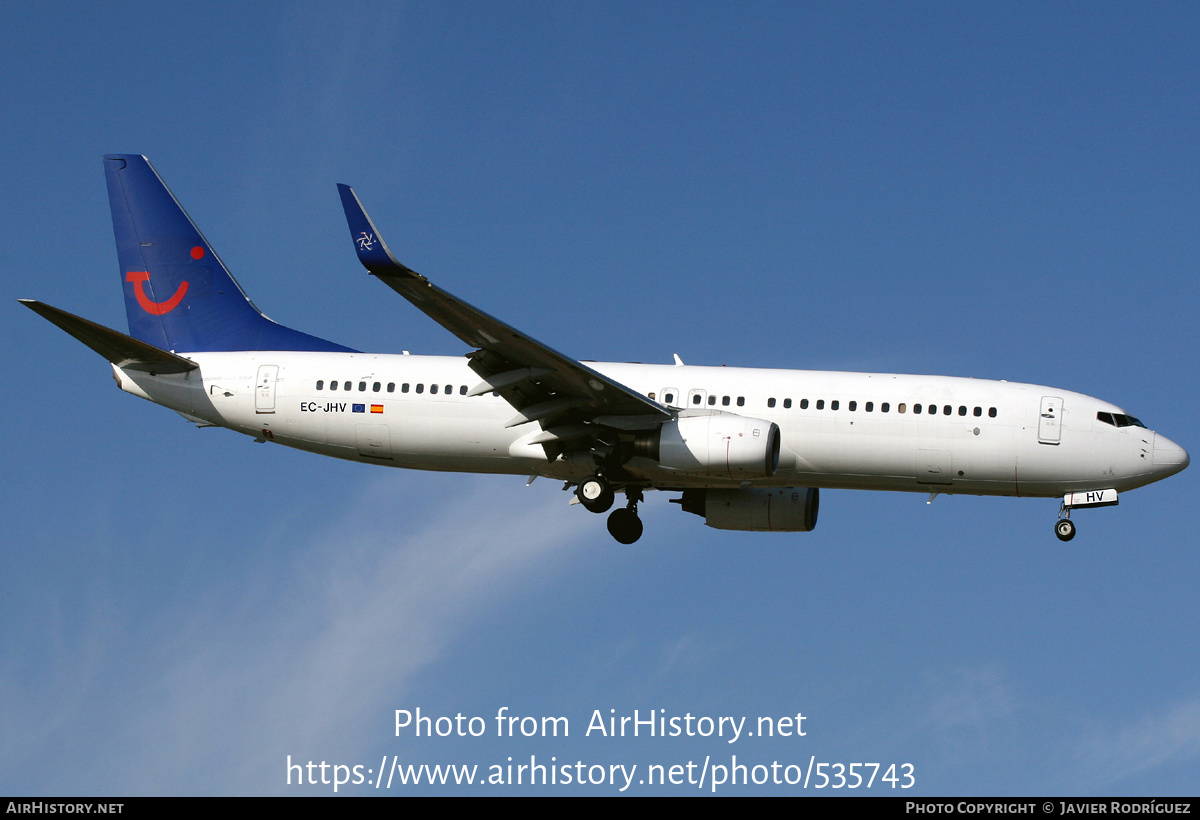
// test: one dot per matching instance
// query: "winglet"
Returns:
(368, 244)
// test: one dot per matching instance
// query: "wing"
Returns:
(569, 399)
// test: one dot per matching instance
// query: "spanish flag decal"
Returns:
(376, 408)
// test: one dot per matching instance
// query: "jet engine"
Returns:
(786, 509)
(721, 445)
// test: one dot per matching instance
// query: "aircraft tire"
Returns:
(624, 525)
(1064, 529)
(595, 494)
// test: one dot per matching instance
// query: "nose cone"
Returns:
(1169, 457)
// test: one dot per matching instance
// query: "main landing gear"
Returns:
(624, 524)
(597, 495)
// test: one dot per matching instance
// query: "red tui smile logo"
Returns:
(138, 277)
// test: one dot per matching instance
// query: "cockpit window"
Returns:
(1119, 420)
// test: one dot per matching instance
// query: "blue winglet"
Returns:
(368, 244)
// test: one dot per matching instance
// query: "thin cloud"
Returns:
(302, 666)
(972, 707)
(1155, 741)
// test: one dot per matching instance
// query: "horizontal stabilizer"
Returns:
(124, 351)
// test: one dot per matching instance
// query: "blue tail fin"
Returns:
(178, 294)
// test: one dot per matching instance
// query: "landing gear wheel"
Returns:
(1064, 529)
(624, 525)
(595, 494)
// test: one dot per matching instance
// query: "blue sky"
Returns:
(998, 191)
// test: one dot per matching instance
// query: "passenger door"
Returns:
(1049, 420)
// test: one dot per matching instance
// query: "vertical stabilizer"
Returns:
(178, 294)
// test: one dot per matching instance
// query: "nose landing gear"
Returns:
(1064, 529)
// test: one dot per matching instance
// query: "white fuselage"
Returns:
(865, 431)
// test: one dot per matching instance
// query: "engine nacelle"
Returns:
(721, 445)
(787, 509)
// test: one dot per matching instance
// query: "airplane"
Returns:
(746, 449)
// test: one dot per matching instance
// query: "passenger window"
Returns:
(885, 407)
(650, 395)
(992, 412)
(668, 398)
(917, 409)
(320, 384)
(362, 387)
(712, 400)
(833, 405)
(787, 404)
(449, 389)
(391, 387)
(900, 407)
(432, 390)
(870, 406)
(347, 386)
(404, 387)
(741, 401)
(696, 398)
(333, 385)
(853, 406)
(962, 410)
(947, 410)
(724, 401)
(803, 404)
(462, 391)
(375, 387)
(978, 412)
(820, 404)
(770, 402)
(420, 388)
